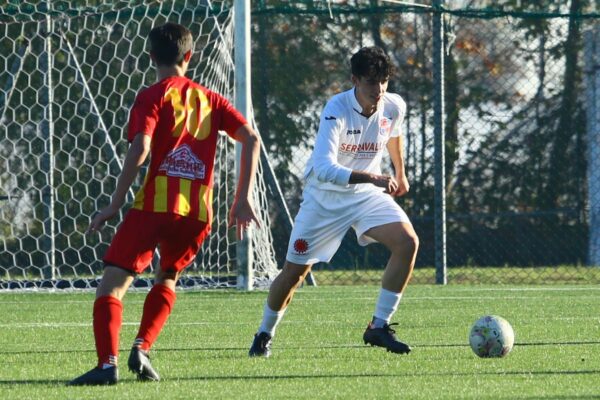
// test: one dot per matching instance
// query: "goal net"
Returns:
(69, 73)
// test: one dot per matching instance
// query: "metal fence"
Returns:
(517, 187)
(502, 135)
(69, 74)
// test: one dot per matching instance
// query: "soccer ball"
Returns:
(491, 336)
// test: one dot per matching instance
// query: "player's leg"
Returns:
(281, 293)
(318, 230)
(132, 252)
(107, 321)
(108, 313)
(284, 286)
(381, 219)
(157, 308)
(402, 241)
(181, 239)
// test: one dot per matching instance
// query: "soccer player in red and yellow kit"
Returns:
(175, 121)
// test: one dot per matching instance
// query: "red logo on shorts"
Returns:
(301, 246)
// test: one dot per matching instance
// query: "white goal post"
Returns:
(68, 77)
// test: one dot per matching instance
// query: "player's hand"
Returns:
(101, 217)
(403, 186)
(241, 215)
(388, 183)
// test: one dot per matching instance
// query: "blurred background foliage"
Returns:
(515, 118)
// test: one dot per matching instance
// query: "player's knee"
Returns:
(414, 240)
(294, 274)
(408, 243)
(163, 276)
(115, 282)
(116, 292)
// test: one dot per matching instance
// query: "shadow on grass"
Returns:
(349, 346)
(33, 382)
(319, 376)
(384, 375)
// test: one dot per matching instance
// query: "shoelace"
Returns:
(389, 328)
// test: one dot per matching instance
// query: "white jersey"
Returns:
(347, 140)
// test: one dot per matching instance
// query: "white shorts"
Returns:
(325, 217)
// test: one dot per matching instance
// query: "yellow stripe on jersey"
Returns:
(160, 194)
(138, 201)
(183, 198)
(210, 198)
(203, 213)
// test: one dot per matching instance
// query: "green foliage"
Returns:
(515, 115)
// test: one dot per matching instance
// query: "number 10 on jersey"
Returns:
(194, 114)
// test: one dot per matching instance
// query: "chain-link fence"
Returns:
(518, 130)
(521, 136)
(69, 74)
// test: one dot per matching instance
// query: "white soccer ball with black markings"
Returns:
(491, 336)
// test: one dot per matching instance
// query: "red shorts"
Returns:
(179, 239)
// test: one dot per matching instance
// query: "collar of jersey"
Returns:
(356, 105)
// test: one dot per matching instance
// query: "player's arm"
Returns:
(324, 158)
(388, 183)
(327, 169)
(326, 166)
(136, 156)
(395, 148)
(242, 213)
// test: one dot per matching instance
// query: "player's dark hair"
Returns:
(371, 62)
(169, 43)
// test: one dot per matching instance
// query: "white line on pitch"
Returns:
(302, 297)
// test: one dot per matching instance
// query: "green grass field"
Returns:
(46, 339)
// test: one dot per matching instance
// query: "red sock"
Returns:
(157, 308)
(108, 316)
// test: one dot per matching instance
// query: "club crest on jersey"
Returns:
(384, 126)
(300, 246)
(181, 162)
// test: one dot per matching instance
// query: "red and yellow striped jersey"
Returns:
(183, 119)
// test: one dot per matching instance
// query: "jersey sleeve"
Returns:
(231, 119)
(143, 117)
(400, 112)
(324, 157)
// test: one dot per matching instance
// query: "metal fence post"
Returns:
(438, 129)
(592, 79)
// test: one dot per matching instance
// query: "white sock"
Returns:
(270, 320)
(387, 304)
(112, 362)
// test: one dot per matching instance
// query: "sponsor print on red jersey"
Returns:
(183, 119)
(183, 163)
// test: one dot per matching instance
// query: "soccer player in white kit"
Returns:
(345, 188)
